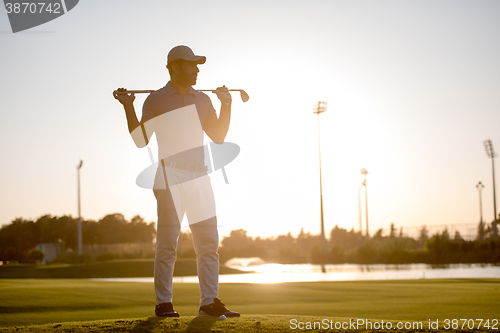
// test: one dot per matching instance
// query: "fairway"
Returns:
(106, 269)
(26, 302)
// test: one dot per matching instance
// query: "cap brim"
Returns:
(197, 59)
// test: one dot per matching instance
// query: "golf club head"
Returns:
(244, 96)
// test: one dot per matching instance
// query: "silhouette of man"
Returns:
(179, 115)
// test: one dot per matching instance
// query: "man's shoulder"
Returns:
(200, 94)
(203, 99)
(157, 94)
(163, 91)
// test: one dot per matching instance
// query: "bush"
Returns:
(35, 256)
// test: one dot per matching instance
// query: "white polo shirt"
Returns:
(178, 123)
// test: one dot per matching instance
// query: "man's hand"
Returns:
(216, 128)
(223, 94)
(132, 121)
(125, 99)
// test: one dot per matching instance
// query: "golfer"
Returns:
(179, 115)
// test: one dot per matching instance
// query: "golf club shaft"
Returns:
(132, 92)
(150, 91)
(213, 90)
(243, 94)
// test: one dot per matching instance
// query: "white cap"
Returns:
(185, 53)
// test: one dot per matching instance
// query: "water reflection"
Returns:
(277, 273)
(273, 273)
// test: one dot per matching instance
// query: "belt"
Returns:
(184, 166)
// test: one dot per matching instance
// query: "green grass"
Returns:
(28, 302)
(109, 269)
(249, 324)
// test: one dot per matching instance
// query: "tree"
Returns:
(480, 231)
(423, 237)
(35, 256)
(112, 229)
(17, 238)
(141, 231)
(392, 233)
(378, 234)
(185, 248)
(347, 240)
(237, 239)
(55, 229)
(457, 237)
(438, 246)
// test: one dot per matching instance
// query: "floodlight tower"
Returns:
(365, 172)
(320, 107)
(79, 211)
(480, 187)
(488, 145)
(480, 232)
(359, 211)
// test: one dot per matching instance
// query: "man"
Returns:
(179, 115)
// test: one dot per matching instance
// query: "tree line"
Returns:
(345, 246)
(21, 236)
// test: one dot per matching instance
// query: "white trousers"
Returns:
(189, 194)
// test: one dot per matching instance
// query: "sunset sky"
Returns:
(412, 88)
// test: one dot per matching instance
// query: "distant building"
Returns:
(51, 251)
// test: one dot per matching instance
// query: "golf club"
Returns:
(244, 96)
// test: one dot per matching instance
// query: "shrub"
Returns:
(35, 256)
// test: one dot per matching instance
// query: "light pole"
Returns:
(79, 211)
(359, 212)
(480, 187)
(365, 172)
(488, 145)
(320, 107)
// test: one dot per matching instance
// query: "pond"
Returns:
(261, 272)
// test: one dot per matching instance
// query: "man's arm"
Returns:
(216, 129)
(135, 128)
